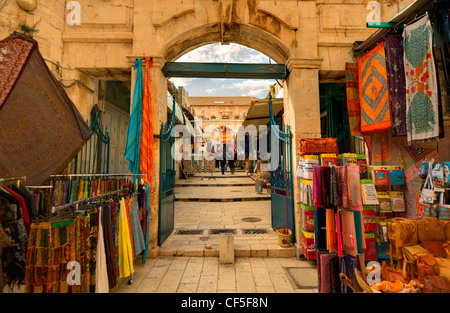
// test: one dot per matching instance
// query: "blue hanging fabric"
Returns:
(147, 216)
(132, 151)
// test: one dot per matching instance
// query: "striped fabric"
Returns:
(352, 92)
(136, 229)
(374, 91)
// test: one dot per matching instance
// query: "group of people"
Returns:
(229, 153)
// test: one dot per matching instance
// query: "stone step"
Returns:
(261, 198)
(240, 250)
(213, 184)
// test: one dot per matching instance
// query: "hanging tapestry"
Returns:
(353, 107)
(421, 83)
(374, 91)
(396, 77)
(36, 115)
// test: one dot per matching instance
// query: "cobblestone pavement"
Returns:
(188, 262)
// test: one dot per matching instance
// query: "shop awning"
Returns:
(258, 113)
(41, 130)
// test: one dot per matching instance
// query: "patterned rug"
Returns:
(374, 91)
(41, 130)
(422, 121)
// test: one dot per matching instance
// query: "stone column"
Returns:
(159, 113)
(302, 113)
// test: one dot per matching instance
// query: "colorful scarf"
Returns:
(352, 91)
(342, 186)
(422, 121)
(397, 87)
(124, 244)
(132, 151)
(317, 187)
(146, 157)
(374, 91)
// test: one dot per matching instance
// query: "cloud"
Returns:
(210, 90)
(217, 53)
(253, 88)
(183, 81)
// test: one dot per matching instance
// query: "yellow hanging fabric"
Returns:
(125, 251)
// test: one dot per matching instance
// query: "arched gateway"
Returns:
(281, 31)
(311, 37)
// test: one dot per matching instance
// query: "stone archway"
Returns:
(286, 32)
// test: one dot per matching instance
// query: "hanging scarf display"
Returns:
(146, 148)
(342, 186)
(374, 91)
(397, 87)
(422, 122)
(132, 150)
(352, 92)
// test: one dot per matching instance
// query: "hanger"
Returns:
(417, 18)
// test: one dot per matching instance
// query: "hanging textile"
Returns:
(397, 87)
(146, 221)
(50, 248)
(421, 83)
(101, 270)
(136, 228)
(124, 244)
(331, 230)
(12, 256)
(35, 114)
(352, 92)
(132, 150)
(317, 187)
(342, 186)
(146, 157)
(109, 245)
(374, 91)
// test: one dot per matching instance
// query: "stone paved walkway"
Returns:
(206, 275)
(189, 263)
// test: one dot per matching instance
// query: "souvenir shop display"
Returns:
(434, 193)
(103, 233)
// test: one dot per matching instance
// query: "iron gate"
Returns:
(93, 157)
(166, 179)
(282, 196)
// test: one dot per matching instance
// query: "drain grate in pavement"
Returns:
(222, 231)
(254, 231)
(251, 219)
(303, 277)
(235, 190)
(189, 231)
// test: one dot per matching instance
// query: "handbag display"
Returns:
(318, 146)
(436, 284)
(426, 265)
(436, 248)
(430, 229)
(444, 267)
(427, 195)
(391, 274)
(411, 253)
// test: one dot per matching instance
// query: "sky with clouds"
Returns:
(217, 53)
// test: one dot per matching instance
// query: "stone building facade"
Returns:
(87, 41)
